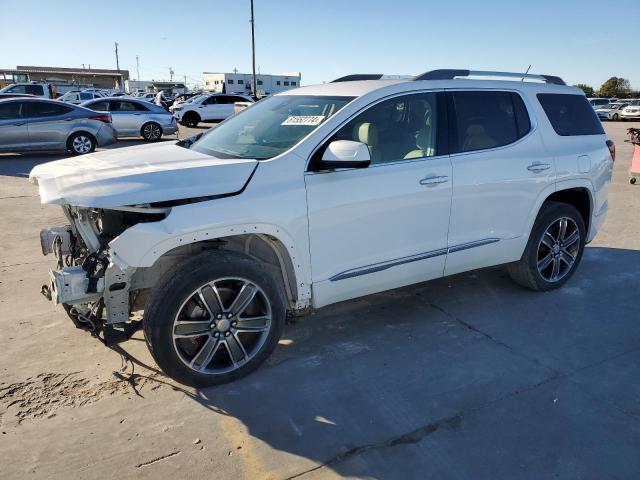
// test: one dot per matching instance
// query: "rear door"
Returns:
(225, 106)
(125, 116)
(49, 124)
(500, 167)
(14, 134)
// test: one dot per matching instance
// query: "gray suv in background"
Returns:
(28, 124)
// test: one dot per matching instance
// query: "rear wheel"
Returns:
(554, 249)
(215, 319)
(151, 132)
(191, 119)
(81, 143)
(614, 117)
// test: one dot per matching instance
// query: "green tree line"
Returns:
(614, 87)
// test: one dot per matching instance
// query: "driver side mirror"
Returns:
(345, 154)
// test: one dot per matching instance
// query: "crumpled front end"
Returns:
(97, 293)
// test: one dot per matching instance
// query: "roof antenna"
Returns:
(525, 73)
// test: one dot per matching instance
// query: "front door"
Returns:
(14, 134)
(384, 226)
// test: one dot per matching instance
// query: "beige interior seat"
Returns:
(425, 144)
(477, 138)
(367, 133)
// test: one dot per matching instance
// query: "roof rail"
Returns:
(358, 76)
(450, 74)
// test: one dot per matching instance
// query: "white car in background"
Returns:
(77, 98)
(631, 111)
(208, 108)
(318, 195)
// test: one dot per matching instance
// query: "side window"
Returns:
(86, 96)
(35, 90)
(570, 114)
(210, 101)
(487, 119)
(400, 128)
(18, 89)
(124, 106)
(139, 107)
(99, 106)
(44, 109)
(9, 111)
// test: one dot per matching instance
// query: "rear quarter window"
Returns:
(570, 115)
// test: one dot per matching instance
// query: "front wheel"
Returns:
(554, 249)
(215, 319)
(614, 117)
(191, 119)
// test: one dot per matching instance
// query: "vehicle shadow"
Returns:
(355, 382)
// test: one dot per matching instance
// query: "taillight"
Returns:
(612, 149)
(101, 118)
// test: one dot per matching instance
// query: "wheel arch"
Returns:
(270, 246)
(579, 193)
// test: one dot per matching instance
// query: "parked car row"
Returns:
(616, 109)
(621, 110)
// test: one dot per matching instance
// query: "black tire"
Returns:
(614, 117)
(81, 143)
(632, 180)
(151, 132)
(191, 119)
(172, 295)
(525, 272)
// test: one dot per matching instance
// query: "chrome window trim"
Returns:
(378, 267)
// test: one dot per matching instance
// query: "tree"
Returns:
(588, 91)
(615, 87)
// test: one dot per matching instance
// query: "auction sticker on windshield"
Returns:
(303, 120)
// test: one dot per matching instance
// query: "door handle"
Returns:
(538, 167)
(434, 180)
(19, 124)
(68, 119)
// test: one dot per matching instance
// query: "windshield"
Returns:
(269, 127)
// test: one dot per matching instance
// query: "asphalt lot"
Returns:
(464, 377)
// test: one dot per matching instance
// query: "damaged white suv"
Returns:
(318, 195)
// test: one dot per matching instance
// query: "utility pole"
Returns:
(253, 51)
(138, 67)
(171, 72)
(117, 59)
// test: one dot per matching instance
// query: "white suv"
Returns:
(318, 195)
(208, 108)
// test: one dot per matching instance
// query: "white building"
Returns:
(241, 82)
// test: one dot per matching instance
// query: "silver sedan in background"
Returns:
(28, 124)
(136, 118)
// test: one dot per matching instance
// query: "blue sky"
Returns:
(577, 40)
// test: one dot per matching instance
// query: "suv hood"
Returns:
(139, 175)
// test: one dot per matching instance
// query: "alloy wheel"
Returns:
(558, 249)
(81, 144)
(151, 131)
(222, 325)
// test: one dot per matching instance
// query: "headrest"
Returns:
(475, 129)
(423, 138)
(366, 133)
